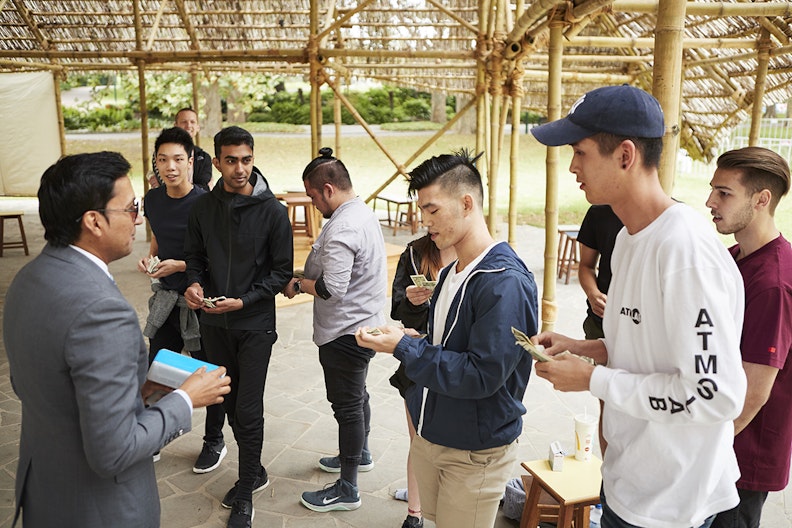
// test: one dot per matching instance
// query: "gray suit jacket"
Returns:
(78, 360)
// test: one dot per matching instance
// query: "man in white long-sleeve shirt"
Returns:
(669, 369)
(346, 272)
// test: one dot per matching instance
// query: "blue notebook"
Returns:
(171, 368)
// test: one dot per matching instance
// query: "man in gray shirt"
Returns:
(346, 272)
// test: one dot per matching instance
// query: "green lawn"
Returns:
(282, 159)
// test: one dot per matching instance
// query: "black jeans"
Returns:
(345, 366)
(746, 514)
(169, 337)
(246, 356)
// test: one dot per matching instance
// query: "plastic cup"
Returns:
(585, 428)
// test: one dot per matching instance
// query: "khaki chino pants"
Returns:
(461, 489)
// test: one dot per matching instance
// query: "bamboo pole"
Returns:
(667, 82)
(195, 87)
(481, 53)
(144, 131)
(516, 92)
(315, 98)
(56, 77)
(495, 68)
(337, 122)
(759, 87)
(711, 9)
(648, 42)
(155, 25)
(554, 90)
(536, 11)
(514, 154)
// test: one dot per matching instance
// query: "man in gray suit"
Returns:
(78, 361)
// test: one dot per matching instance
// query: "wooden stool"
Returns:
(401, 218)
(10, 215)
(568, 254)
(309, 223)
(575, 489)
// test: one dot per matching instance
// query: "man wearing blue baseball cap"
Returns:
(669, 369)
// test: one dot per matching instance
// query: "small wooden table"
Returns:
(575, 488)
(408, 218)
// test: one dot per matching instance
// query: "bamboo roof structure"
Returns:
(453, 46)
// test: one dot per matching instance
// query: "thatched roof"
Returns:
(427, 44)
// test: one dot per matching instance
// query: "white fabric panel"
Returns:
(29, 138)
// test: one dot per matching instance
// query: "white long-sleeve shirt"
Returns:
(674, 380)
(350, 254)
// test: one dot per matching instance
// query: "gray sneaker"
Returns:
(333, 464)
(341, 495)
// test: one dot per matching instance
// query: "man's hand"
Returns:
(207, 388)
(384, 341)
(150, 388)
(554, 343)
(597, 302)
(567, 373)
(289, 290)
(142, 265)
(224, 306)
(418, 296)
(167, 267)
(194, 295)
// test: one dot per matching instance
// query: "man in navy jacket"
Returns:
(469, 374)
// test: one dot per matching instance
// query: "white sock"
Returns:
(400, 494)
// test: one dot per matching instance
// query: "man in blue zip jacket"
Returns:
(469, 374)
(239, 247)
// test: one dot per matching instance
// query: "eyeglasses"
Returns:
(133, 210)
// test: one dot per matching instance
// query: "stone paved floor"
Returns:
(299, 426)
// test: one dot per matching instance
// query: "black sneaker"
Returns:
(242, 514)
(339, 496)
(412, 522)
(259, 484)
(210, 457)
(333, 464)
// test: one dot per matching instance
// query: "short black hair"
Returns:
(175, 135)
(232, 135)
(326, 169)
(453, 172)
(73, 186)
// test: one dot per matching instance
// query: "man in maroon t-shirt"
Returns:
(746, 189)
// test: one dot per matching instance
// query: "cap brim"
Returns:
(560, 132)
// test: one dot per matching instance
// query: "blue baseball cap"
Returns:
(619, 110)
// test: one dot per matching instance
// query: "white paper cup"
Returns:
(585, 428)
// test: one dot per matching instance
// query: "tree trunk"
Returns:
(467, 123)
(439, 107)
(213, 111)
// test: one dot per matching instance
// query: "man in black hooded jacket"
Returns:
(239, 248)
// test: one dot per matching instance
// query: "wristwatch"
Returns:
(297, 286)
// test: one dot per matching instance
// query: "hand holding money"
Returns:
(153, 262)
(383, 339)
(537, 351)
(422, 282)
